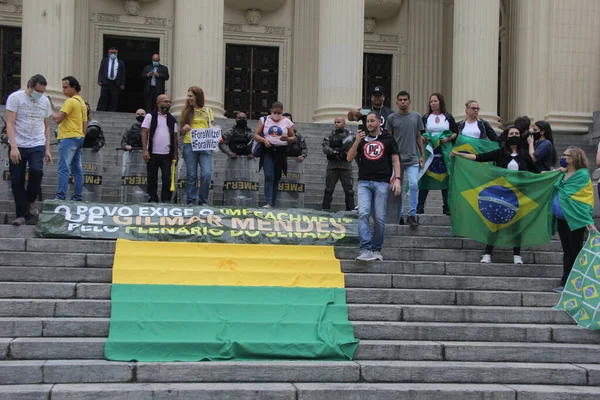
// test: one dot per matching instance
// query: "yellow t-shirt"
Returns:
(200, 121)
(72, 125)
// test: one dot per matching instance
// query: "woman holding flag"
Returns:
(511, 156)
(573, 207)
(440, 128)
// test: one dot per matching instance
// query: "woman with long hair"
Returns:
(273, 134)
(436, 121)
(510, 156)
(541, 146)
(196, 115)
(572, 207)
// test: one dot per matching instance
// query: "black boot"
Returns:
(445, 210)
(421, 209)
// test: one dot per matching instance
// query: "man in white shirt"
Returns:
(28, 131)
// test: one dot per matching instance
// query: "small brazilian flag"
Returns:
(581, 298)
(500, 207)
(434, 175)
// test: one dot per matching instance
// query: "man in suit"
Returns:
(154, 76)
(111, 78)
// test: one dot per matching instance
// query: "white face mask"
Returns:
(36, 95)
(276, 117)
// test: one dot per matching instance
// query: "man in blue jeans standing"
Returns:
(72, 123)
(377, 156)
(28, 131)
(406, 126)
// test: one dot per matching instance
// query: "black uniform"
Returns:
(338, 168)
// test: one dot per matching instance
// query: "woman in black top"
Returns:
(510, 156)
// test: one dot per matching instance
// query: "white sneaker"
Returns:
(377, 255)
(517, 260)
(486, 259)
(366, 255)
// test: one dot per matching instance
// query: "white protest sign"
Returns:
(206, 139)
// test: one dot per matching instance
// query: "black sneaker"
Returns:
(412, 221)
(420, 210)
(445, 210)
(401, 221)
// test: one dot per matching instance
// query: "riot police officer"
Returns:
(238, 141)
(335, 147)
(94, 137)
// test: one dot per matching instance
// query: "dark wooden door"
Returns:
(10, 61)
(377, 70)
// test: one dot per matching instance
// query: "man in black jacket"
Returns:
(132, 138)
(238, 141)
(154, 76)
(335, 147)
(111, 78)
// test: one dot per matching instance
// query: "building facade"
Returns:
(539, 58)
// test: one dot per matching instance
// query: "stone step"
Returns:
(13, 327)
(357, 312)
(93, 348)
(298, 391)
(100, 371)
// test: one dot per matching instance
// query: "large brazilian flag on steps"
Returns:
(500, 207)
(200, 301)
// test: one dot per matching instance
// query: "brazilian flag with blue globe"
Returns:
(434, 175)
(581, 298)
(500, 207)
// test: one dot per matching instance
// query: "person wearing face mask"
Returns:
(272, 136)
(28, 131)
(238, 140)
(541, 146)
(510, 156)
(160, 148)
(94, 137)
(297, 149)
(132, 138)
(335, 147)
(111, 79)
(573, 207)
(154, 75)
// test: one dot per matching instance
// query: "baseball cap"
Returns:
(378, 90)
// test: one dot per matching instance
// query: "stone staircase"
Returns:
(433, 324)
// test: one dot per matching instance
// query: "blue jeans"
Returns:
(412, 171)
(34, 156)
(69, 161)
(372, 195)
(272, 177)
(192, 159)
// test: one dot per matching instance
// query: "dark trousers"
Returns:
(150, 99)
(490, 249)
(423, 197)
(109, 97)
(162, 161)
(572, 243)
(33, 156)
(331, 178)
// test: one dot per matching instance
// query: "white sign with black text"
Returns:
(206, 139)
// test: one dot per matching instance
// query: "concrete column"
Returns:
(525, 69)
(199, 52)
(573, 64)
(475, 61)
(49, 43)
(424, 52)
(341, 38)
(305, 52)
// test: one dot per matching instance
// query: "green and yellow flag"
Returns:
(581, 296)
(174, 301)
(467, 144)
(434, 175)
(576, 197)
(500, 207)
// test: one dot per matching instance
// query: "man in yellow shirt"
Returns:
(72, 123)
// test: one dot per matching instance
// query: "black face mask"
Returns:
(241, 123)
(165, 109)
(140, 118)
(514, 140)
(537, 135)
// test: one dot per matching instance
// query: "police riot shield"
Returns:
(181, 184)
(91, 164)
(240, 188)
(291, 186)
(134, 178)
